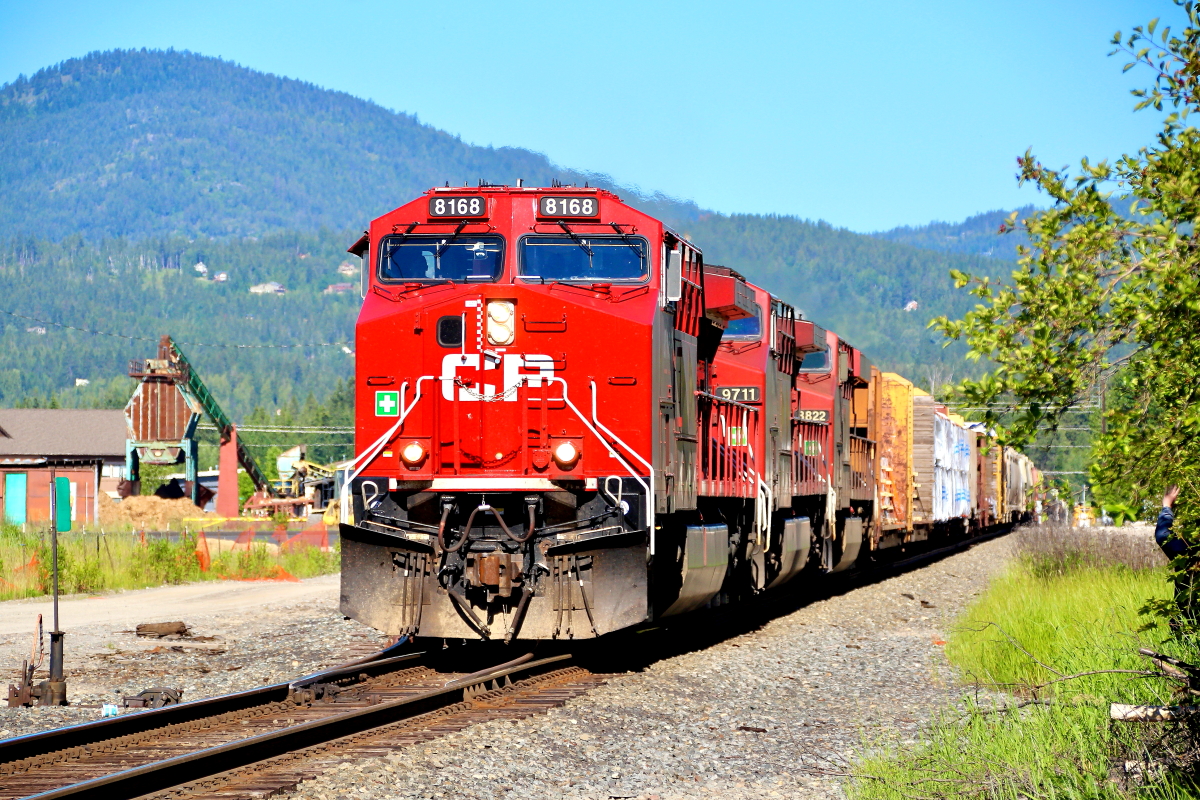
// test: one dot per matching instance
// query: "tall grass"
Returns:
(1133, 546)
(96, 562)
(1068, 615)
(1023, 730)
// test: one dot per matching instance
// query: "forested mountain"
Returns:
(147, 288)
(978, 235)
(152, 143)
(120, 171)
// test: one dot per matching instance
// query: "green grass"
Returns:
(1072, 617)
(95, 562)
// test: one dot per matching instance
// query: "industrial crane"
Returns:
(163, 414)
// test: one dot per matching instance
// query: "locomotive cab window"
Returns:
(585, 258)
(816, 362)
(436, 259)
(746, 329)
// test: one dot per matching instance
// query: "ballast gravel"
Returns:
(229, 650)
(779, 712)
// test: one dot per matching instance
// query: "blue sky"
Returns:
(867, 115)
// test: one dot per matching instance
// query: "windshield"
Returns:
(584, 258)
(441, 258)
(816, 362)
(746, 328)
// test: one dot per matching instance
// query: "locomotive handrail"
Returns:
(377, 446)
(593, 428)
(764, 516)
(721, 470)
(368, 455)
(651, 501)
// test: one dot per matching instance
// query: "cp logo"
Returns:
(512, 375)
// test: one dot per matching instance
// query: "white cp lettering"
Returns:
(512, 363)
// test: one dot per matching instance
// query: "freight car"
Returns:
(569, 424)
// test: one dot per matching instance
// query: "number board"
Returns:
(568, 207)
(739, 394)
(812, 415)
(457, 207)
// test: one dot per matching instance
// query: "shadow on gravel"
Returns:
(637, 648)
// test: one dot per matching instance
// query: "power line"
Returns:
(281, 429)
(153, 339)
(310, 444)
(1048, 446)
(1007, 407)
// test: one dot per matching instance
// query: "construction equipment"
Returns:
(303, 473)
(162, 416)
(306, 487)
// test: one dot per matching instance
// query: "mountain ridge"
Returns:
(120, 170)
(978, 234)
(176, 104)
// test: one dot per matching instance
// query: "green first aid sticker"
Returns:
(387, 404)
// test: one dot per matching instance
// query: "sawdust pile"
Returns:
(218, 545)
(148, 512)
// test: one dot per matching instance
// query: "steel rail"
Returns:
(931, 555)
(165, 774)
(89, 733)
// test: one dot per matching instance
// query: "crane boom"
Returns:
(199, 391)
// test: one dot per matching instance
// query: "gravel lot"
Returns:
(241, 639)
(777, 712)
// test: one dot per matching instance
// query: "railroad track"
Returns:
(259, 742)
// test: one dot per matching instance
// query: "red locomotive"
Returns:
(568, 424)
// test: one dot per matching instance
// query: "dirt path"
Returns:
(163, 604)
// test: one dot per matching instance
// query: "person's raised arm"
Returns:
(1169, 496)
(1171, 545)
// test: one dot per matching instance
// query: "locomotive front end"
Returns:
(505, 401)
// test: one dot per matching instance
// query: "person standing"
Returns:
(1174, 546)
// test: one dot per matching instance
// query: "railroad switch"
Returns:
(157, 697)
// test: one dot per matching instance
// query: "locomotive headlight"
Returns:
(412, 453)
(500, 322)
(500, 310)
(565, 454)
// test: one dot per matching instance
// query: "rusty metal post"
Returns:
(54, 546)
(54, 691)
(227, 479)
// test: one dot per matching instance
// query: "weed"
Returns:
(96, 562)
(1023, 731)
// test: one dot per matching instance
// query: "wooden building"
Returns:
(87, 446)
